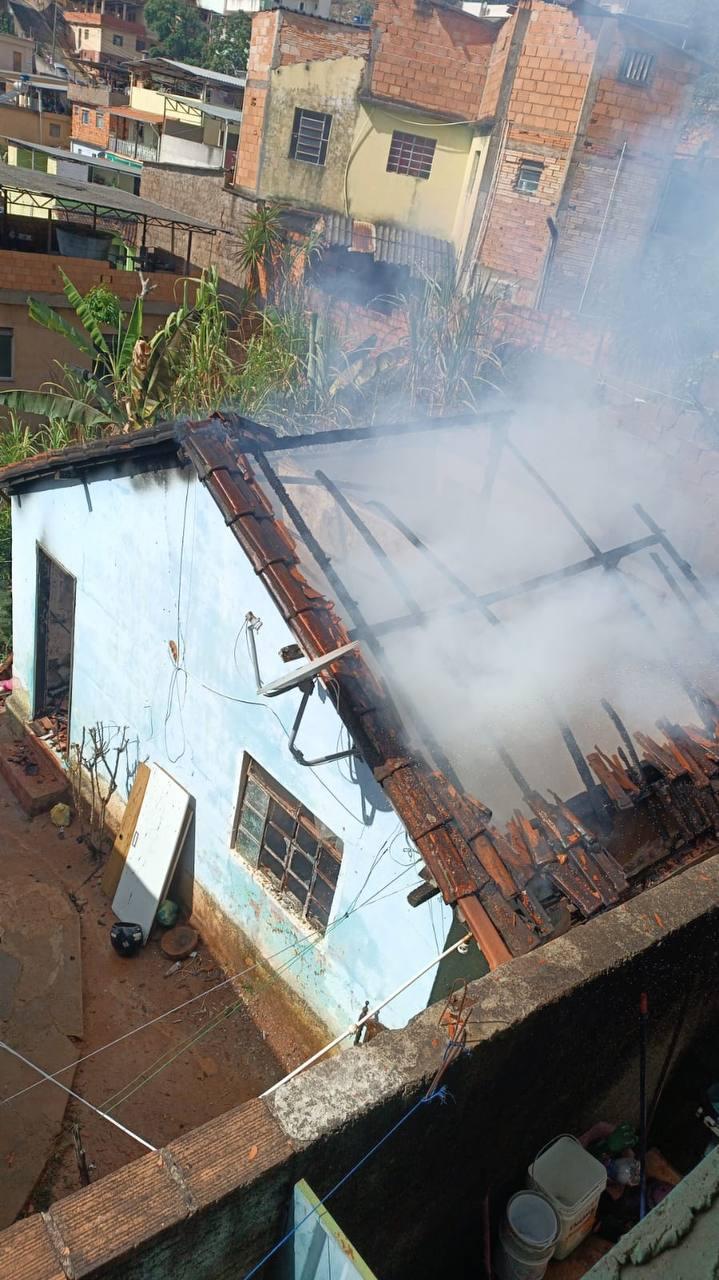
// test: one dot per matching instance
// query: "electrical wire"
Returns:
(163, 1061)
(439, 1095)
(76, 1096)
(355, 905)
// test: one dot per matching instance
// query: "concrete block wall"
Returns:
(433, 57)
(207, 197)
(553, 1043)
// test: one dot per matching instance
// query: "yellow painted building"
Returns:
(369, 148)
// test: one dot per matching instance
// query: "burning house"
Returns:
(526, 687)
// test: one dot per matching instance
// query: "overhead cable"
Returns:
(76, 1096)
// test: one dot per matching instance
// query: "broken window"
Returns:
(280, 837)
(411, 154)
(636, 66)
(55, 625)
(310, 135)
(529, 176)
(6, 354)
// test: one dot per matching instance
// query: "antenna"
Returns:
(295, 679)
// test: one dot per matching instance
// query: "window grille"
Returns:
(310, 135)
(277, 835)
(411, 154)
(636, 66)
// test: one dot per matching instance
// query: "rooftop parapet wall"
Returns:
(553, 1047)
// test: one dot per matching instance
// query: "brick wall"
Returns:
(432, 57)
(496, 68)
(260, 59)
(40, 273)
(543, 117)
(618, 174)
(307, 39)
(90, 133)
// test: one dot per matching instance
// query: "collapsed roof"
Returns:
(342, 563)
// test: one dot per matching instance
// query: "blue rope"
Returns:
(440, 1095)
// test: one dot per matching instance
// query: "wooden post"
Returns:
(189, 252)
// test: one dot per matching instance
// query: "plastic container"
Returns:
(527, 1237)
(573, 1182)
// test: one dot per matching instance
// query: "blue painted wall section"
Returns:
(155, 563)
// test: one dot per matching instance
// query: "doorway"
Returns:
(54, 639)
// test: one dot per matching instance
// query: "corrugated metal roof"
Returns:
(134, 113)
(201, 73)
(230, 114)
(423, 255)
(72, 193)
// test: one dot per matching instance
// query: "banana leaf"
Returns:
(50, 319)
(48, 404)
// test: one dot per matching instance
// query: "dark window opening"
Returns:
(280, 837)
(529, 176)
(118, 40)
(411, 154)
(6, 354)
(16, 61)
(54, 634)
(310, 136)
(54, 131)
(636, 67)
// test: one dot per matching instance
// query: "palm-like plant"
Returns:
(260, 241)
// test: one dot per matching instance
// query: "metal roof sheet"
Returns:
(73, 193)
(423, 255)
(134, 113)
(231, 114)
(202, 73)
(61, 153)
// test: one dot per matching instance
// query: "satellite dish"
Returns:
(306, 672)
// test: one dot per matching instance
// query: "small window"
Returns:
(410, 154)
(87, 33)
(141, 45)
(529, 176)
(84, 117)
(54, 131)
(310, 135)
(16, 61)
(100, 119)
(6, 354)
(282, 839)
(637, 66)
(118, 40)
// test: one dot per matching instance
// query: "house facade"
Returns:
(153, 566)
(107, 32)
(382, 125)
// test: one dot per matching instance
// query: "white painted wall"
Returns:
(153, 551)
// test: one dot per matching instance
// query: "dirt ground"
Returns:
(232, 1059)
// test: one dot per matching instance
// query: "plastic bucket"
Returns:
(527, 1237)
(573, 1181)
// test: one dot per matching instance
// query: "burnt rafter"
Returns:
(655, 799)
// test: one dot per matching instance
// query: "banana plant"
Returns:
(130, 377)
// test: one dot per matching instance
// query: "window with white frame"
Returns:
(84, 117)
(310, 136)
(529, 176)
(279, 837)
(411, 154)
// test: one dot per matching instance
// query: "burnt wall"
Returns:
(552, 1048)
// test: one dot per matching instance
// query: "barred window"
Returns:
(529, 176)
(411, 154)
(636, 67)
(310, 135)
(276, 834)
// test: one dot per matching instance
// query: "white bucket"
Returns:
(527, 1237)
(573, 1181)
